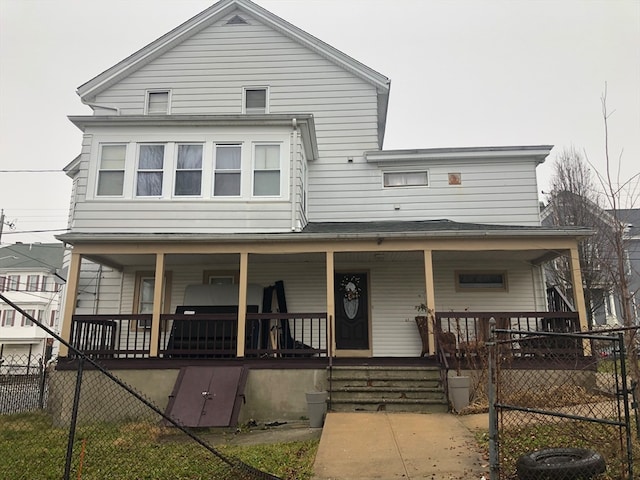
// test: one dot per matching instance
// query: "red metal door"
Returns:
(206, 396)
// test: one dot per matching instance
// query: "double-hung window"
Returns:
(111, 173)
(157, 102)
(26, 321)
(13, 284)
(8, 318)
(228, 171)
(33, 283)
(266, 170)
(150, 171)
(255, 100)
(188, 170)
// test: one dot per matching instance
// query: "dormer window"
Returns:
(157, 102)
(255, 100)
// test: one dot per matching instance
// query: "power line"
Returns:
(32, 171)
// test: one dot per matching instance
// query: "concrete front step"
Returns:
(344, 382)
(386, 373)
(399, 405)
(395, 389)
(346, 393)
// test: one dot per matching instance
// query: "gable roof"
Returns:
(218, 11)
(32, 256)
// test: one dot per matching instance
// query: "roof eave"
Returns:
(84, 238)
(538, 153)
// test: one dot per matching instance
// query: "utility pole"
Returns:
(2, 224)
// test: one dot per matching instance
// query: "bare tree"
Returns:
(619, 198)
(573, 201)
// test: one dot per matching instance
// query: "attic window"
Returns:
(255, 100)
(237, 20)
(157, 102)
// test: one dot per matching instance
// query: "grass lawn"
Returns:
(604, 439)
(31, 449)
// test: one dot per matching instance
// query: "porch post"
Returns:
(158, 290)
(331, 303)
(430, 296)
(71, 295)
(578, 293)
(242, 303)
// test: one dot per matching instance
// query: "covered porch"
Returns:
(327, 276)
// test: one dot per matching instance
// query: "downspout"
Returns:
(97, 298)
(294, 155)
(294, 160)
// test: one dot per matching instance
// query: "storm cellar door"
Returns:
(207, 396)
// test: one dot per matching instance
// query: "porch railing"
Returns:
(287, 335)
(470, 330)
(201, 335)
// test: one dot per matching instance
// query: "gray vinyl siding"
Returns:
(99, 290)
(206, 74)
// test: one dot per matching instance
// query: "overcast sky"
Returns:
(463, 73)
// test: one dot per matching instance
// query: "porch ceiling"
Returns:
(120, 261)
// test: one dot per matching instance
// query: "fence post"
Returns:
(493, 423)
(43, 383)
(74, 417)
(625, 395)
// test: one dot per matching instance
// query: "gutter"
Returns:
(301, 236)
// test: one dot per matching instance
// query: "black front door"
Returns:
(352, 311)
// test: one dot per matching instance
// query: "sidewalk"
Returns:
(438, 446)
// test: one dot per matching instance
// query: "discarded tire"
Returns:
(560, 464)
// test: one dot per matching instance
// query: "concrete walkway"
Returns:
(437, 446)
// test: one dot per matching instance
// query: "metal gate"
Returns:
(559, 406)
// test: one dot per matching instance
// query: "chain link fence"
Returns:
(85, 423)
(560, 407)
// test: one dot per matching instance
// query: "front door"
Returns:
(352, 311)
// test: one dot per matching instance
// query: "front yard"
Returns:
(32, 450)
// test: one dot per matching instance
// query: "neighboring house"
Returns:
(598, 261)
(234, 167)
(29, 277)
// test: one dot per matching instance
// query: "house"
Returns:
(603, 298)
(233, 205)
(30, 278)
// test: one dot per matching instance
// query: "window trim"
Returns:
(100, 169)
(5, 315)
(176, 170)
(405, 172)
(147, 97)
(281, 187)
(32, 286)
(13, 283)
(266, 99)
(481, 286)
(166, 295)
(240, 145)
(139, 146)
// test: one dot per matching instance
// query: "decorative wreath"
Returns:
(350, 287)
